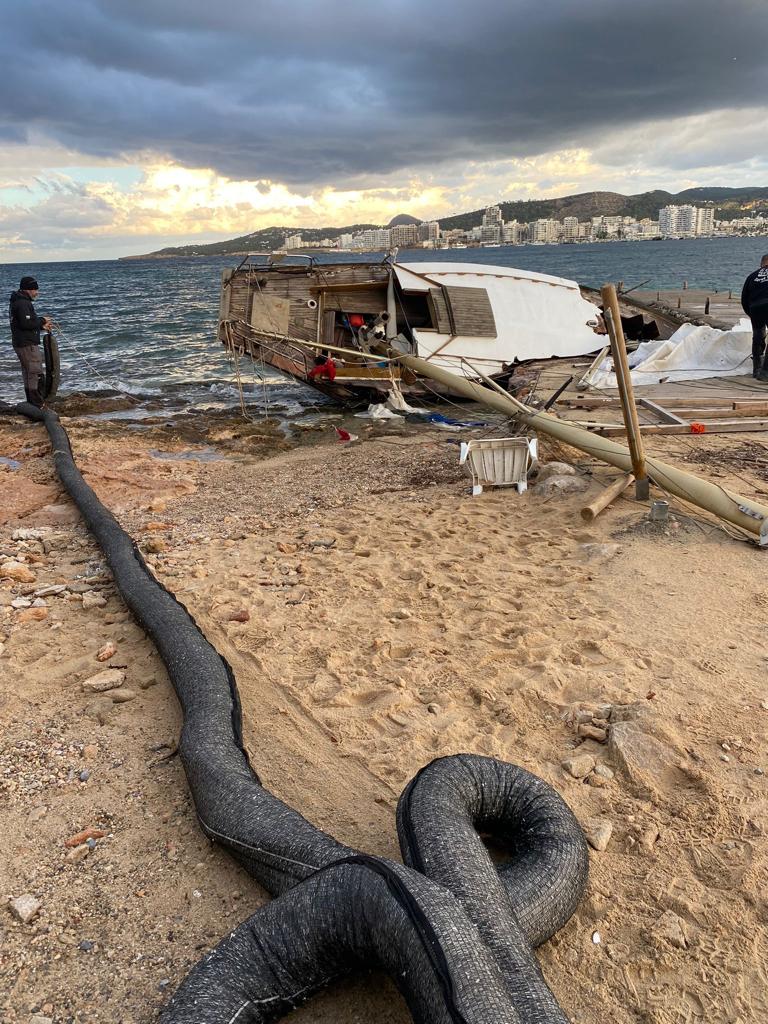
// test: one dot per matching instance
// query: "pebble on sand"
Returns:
(81, 837)
(93, 600)
(77, 855)
(599, 834)
(32, 615)
(17, 571)
(580, 766)
(592, 732)
(672, 928)
(122, 696)
(109, 650)
(108, 679)
(25, 907)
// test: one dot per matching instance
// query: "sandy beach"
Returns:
(376, 617)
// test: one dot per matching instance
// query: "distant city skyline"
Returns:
(155, 124)
(674, 221)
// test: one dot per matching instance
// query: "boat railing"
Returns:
(274, 259)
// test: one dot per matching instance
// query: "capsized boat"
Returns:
(326, 324)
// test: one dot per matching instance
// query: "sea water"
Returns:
(147, 328)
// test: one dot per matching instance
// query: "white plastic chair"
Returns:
(499, 462)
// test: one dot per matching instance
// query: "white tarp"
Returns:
(537, 316)
(692, 353)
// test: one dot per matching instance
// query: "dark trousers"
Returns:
(31, 359)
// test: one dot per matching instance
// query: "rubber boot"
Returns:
(762, 373)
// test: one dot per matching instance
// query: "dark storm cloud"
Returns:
(340, 92)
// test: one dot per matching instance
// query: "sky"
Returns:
(129, 125)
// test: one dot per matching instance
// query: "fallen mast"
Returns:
(748, 515)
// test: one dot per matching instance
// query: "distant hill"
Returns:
(729, 203)
(403, 218)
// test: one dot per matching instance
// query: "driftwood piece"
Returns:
(605, 497)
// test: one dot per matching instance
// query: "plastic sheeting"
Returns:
(692, 353)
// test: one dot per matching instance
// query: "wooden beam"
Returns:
(624, 379)
(693, 401)
(591, 511)
(741, 426)
(661, 414)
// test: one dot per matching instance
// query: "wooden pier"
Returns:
(718, 308)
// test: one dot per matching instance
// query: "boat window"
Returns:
(463, 311)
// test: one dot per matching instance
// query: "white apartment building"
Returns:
(492, 215)
(512, 232)
(705, 220)
(292, 242)
(404, 235)
(429, 231)
(375, 238)
(570, 228)
(678, 221)
(544, 230)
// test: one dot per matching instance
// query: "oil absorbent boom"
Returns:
(454, 931)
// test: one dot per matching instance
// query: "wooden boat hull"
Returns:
(477, 320)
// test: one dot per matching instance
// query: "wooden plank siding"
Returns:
(471, 312)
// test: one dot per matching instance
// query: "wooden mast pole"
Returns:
(626, 394)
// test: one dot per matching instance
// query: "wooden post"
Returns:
(624, 380)
(706, 307)
(605, 497)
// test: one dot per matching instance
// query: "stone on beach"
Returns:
(672, 928)
(599, 834)
(579, 766)
(550, 469)
(108, 679)
(560, 485)
(17, 571)
(109, 650)
(122, 696)
(32, 615)
(641, 756)
(25, 907)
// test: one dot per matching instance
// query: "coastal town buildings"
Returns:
(681, 221)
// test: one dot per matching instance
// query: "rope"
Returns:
(97, 373)
(235, 357)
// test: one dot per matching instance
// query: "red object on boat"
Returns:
(698, 428)
(356, 320)
(326, 369)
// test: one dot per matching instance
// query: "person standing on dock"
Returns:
(26, 325)
(754, 301)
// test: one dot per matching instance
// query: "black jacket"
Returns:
(25, 323)
(755, 290)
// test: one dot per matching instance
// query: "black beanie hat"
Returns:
(28, 284)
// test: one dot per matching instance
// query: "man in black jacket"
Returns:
(754, 301)
(25, 335)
